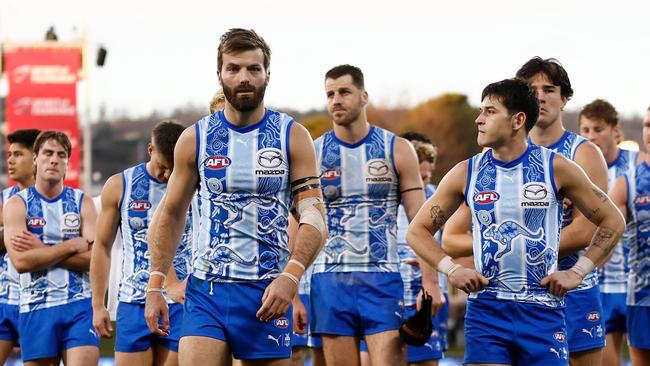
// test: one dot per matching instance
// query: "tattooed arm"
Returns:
(597, 208)
(431, 217)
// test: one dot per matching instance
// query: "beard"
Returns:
(246, 104)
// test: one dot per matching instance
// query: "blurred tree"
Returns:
(317, 124)
(449, 121)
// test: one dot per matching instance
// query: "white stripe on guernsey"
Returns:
(127, 245)
(476, 230)
(552, 229)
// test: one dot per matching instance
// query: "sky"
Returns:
(162, 54)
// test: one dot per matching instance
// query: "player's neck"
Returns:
(549, 135)
(612, 155)
(25, 183)
(511, 150)
(49, 188)
(242, 119)
(353, 132)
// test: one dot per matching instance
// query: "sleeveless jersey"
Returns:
(638, 286)
(53, 221)
(361, 193)
(141, 194)
(567, 146)
(516, 221)
(612, 276)
(9, 277)
(244, 197)
(411, 275)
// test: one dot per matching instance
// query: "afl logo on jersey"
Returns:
(139, 205)
(486, 197)
(559, 336)
(331, 173)
(35, 222)
(217, 162)
(594, 316)
(282, 323)
(642, 200)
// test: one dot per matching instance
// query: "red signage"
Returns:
(43, 94)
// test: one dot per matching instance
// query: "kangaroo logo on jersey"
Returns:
(642, 200)
(217, 162)
(535, 195)
(35, 222)
(270, 162)
(331, 174)
(71, 223)
(486, 197)
(139, 205)
(378, 171)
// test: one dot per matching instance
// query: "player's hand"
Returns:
(277, 299)
(413, 262)
(561, 282)
(156, 309)
(176, 290)
(26, 241)
(299, 316)
(102, 322)
(468, 280)
(437, 298)
(80, 244)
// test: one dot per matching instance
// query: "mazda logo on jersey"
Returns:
(270, 162)
(71, 220)
(486, 197)
(270, 158)
(535, 194)
(35, 222)
(378, 172)
(281, 322)
(139, 205)
(331, 173)
(642, 199)
(217, 162)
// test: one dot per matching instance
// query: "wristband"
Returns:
(293, 278)
(583, 266)
(157, 273)
(154, 289)
(295, 268)
(447, 266)
(297, 263)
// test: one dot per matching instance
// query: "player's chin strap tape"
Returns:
(308, 213)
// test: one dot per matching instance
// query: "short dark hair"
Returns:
(416, 136)
(57, 136)
(342, 70)
(553, 70)
(24, 137)
(600, 109)
(517, 96)
(239, 40)
(164, 137)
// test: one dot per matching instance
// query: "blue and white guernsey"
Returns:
(638, 286)
(612, 276)
(411, 275)
(53, 221)
(567, 146)
(516, 220)
(141, 195)
(244, 196)
(361, 192)
(9, 277)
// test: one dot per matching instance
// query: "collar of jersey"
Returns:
(356, 144)
(243, 129)
(510, 164)
(50, 200)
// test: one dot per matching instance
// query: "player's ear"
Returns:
(518, 120)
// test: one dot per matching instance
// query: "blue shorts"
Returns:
(226, 311)
(432, 350)
(46, 333)
(508, 332)
(9, 322)
(440, 321)
(356, 303)
(133, 335)
(638, 320)
(584, 320)
(307, 339)
(614, 312)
